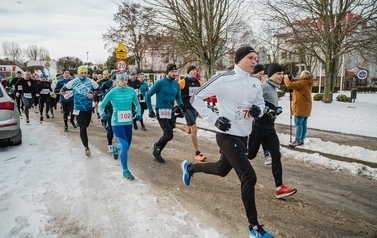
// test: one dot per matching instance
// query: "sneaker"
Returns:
(186, 175)
(135, 126)
(40, 119)
(98, 116)
(27, 121)
(74, 125)
(21, 116)
(66, 129)
(157, 153)
(143, 128)
(110, 148)
(115, 153)
(267, 160)
(127, 174)
(52, 116)
(200, 157)
(284, 191)
(47, 116)
(87, 152)
(296, 143)
(258, 232)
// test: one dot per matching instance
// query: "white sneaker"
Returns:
(267, 160)
(110, 148)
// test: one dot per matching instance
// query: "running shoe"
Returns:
(258, 232)
(127, 174)
(186, 174)
(87, 152)
(115, 153)
(66, 129)
(200, 157)
(284, 191)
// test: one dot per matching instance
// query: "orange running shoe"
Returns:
(200, 157)
(87, 152)
(284, 191)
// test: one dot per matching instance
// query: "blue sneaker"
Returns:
(115, 153)
(127, 174)
(186, 175)
(259, 232)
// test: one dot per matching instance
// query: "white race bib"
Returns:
(45, 91)
(193, 90)
(76, 112)
(124, 116)
(19, 87)
(242, 115)
(164, 113)
(37, 94)
(27, 95)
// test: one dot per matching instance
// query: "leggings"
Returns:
(44, 99)
(124, 136)
(83, 119)
(20, 104)
(28, 102)
(167, 126)
(67, 110)
(109, 132)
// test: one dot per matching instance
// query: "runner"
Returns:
(135, 84)
(122, 98)
(66, 101)
(25, 88)
(142, 92)
(83, 93)
(189, 85)
(12, 80)
(166, 90)
(264, 129)
(97, 96)
(239, 98)
(44, 90)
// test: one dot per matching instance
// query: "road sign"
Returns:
(362, 74)
(47, 65)
(121, 65)
(121, 51)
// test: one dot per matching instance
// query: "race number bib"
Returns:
(124, 116)
(242, 115)
(164, 113)
(45, 91)
(19, 87)
(27, 95)
(192, 90)
(76, 112)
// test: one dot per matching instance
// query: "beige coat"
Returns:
(302, 97)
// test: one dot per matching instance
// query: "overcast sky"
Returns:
(64, 27)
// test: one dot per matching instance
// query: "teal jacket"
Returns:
(122, 100)
(166, 91)
(143, 88)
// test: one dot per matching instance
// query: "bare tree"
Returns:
(135, 21)
(325, 30)
(5, 45)
(12, 50)
(203, 26)
(32, 52)
(43, 53)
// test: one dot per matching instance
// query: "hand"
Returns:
(223, 124)
(152, 114)
(279, 110)
(67, 95)
(138, 118)
(89, 95)
(255, 111)
(141, 97)
(105, 117)
(290, 77)
(183, 108)
(271, 113)
(17, 94)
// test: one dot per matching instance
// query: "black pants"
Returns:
(67, 110)
(28, 102)
(271, 141)
(83, 119)
(167, 126)
(233, 156)
(20, 104)
(44, 100)
(109, 132)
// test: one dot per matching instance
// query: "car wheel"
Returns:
(16, 140)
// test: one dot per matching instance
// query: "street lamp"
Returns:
(87, 62)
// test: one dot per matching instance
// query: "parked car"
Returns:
(10, 130)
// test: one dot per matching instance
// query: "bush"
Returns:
(318, 97)
(281, 94)
(343, 98)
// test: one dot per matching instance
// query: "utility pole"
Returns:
(87, 62)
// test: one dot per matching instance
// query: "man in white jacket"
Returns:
(240, 99)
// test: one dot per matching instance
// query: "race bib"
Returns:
(19, 87)
(37, 94)
(193, 90)
(45, 91)
(164, 113)
(27, 95)
(124, 116)
(76, 112)
(242, 115)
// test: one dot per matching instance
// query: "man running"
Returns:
(189, 85)
(83, 93)
(44, 90)
(240, 98)
(144, 88)
(167, 90)
(25, 88)
(97, 96)
(134, 83)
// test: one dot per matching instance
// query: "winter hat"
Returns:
(170, 67)
(274, 68)
(65, 69)
(191, 67)
(258, 68)
(82, 69)
(122, 76)
(133, 71)
(113, 74)
(242, 52)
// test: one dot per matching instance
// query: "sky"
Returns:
(28, 198)
(65, 28)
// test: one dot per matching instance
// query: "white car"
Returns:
(10, 130)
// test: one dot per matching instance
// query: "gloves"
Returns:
(223, 124)
(255, 111)
(183, 108)
(105, 117)
(138, 118)
(271, 113)
(141, 97)
(279, 110)
(152, 114)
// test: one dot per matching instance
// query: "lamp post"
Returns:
(87, 62)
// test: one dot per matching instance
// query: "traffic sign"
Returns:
(121, 51)
(121, 65)
(47, 65)
(362, 74)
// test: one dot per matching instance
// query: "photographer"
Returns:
(301, 103)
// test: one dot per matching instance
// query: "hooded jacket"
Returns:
(302, 96)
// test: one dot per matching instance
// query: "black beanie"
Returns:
(192, 67)
(258, 68)
(273, 68)
(170, 67)
(242, 52)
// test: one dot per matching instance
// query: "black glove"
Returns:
(279, 111)
(223, 124)
(152, 114)
(271, 113)
(141, 97)
(183, 108)
(255, 111)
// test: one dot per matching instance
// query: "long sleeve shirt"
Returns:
(81, 88)
(236, 91)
